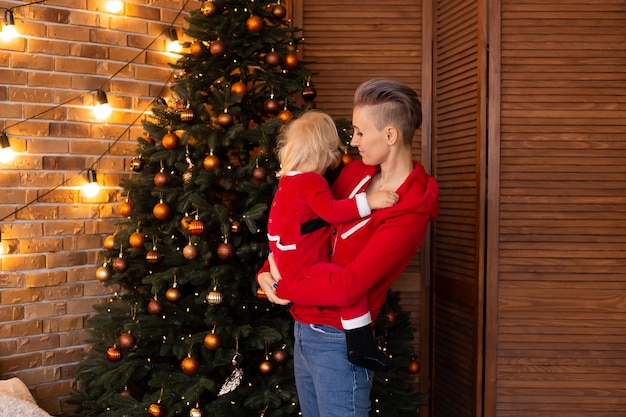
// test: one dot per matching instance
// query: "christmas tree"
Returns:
(187, 330)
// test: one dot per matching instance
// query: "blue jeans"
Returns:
(328, 384)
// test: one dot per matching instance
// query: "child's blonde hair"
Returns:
(309, 143)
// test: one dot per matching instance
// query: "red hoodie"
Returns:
(367, 254)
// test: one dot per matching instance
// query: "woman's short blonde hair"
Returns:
(309, 143)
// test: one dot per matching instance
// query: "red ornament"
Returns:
(120, 264)
(218, 47)
(272, 59)
(309, 93)
(162, 179)
(280, 355)
(127, 340)
(225, 251)
(154, 256)
(414, 367)
(190, 365)
(170, 140)
(279, 11)
(114, 354)
(155, 307)
(254, 24)
(259, 173)
(271, 106)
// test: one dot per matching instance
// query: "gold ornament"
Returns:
(195, 412)
(207, 8)
(190, 365)
(239, 88)
(210, 162)
(254, 24)
(214, 297)
(173, 294)
(170, 140)
(137, 239)
(290, 61)
(161, 210)
(125, 208)
(109, 242)
(196, 227)
(103, 273)
(212, 341)
(186, 115)
(155, 410)
(114, 354)
(190, 251)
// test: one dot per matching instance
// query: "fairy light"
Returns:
(102, 109)
(91, 189)
(9, 32)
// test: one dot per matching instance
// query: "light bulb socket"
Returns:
(9, 18)
(172, 34)
(4, 141)
(101, 97)
(91, 176)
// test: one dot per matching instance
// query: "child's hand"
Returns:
(382, 199)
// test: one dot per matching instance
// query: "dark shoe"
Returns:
(363, 350)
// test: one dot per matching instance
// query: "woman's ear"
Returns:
(392, 135)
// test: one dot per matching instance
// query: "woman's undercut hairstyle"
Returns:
(396, 104)
(309, 141)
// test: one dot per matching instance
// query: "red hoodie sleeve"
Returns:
(379, 263)
(317, 194)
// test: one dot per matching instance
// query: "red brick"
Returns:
(40, 245)
(21, 328)
(13, 77)
(63, 324)
(22, 263)
(35, 374)
(57, 260)
(44, 310)
(56, 389)
(33, 62)
(8, 280)
(45, 79)
(45, 278)
(12, 363)
(36, 343)
(11, 313)
(48, 47)
(35, 212)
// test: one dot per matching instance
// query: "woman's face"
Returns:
(371, 142)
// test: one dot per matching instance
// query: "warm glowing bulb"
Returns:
(174, 46)
(91, 189)
(6, 155)
(114, 6)
(8, 33)
(102, 111)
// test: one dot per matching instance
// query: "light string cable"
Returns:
(108, 150)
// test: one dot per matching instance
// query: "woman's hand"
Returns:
(269, 282)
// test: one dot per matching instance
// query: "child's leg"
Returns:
(362, 348)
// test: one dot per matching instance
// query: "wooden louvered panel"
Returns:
(561, 290)
(456, 333)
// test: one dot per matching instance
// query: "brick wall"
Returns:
(52, 233)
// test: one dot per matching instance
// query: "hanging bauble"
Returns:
(280, 355)
(285, 115)
(235, 226)
(272, 59)
(155, 410)
(214, 297)
(279, 11)
(137, 239)
(148, 138)
(239, 87)
(186, 221)
(170, 140)
(155, 306)
(190, 251)
(266, 367)
(125, 208)
(154, 256)
(126, 392)
(195, 412)
(114, 354)
(136, 164)
(186, 115)
(161, 179)
(210, 162)
(212, 341)
(196, 227)
(259, 173)
(309, 93)
(109, 242)
(120, 264)
(187, 177)
(254, 24)
(236, 360)
(173, 294)
(161, 210)
(346, 158)
(225, 251)
(190, 365)
(290, 61)
(127, 340)
(225, 119)
(207, 8)
(271, 106)
(196, 48)
(391, 316)
(218, 47)
(413, 367)
(103, 273)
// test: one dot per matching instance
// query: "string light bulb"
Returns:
(6, 153)
(114, 6)
(102, 110)
(173, 45)
(91, 189)
(9, 32)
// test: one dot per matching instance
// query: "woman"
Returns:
(367, 254)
